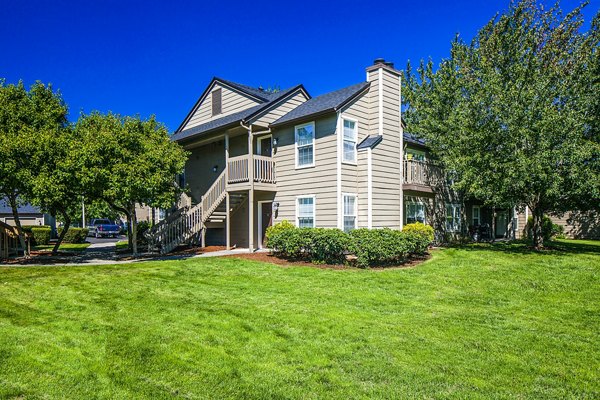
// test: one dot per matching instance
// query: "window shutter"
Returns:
(216, 102)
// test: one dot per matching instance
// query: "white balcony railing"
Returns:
(264, 169)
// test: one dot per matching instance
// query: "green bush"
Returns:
(326, 245)
(74, 235)
(385, 246)
(549, 229)
(142, 228)
(41, 235)
(425, 230)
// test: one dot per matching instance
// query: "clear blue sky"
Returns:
(150, 57)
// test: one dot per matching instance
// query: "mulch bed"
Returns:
(286, 263)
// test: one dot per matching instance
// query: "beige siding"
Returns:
(199, 174)
(232, 102)
(320, 180)
(387, 189)
(281, 109)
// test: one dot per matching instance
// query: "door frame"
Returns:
(260, 221)
(258, 143)
(505, 214)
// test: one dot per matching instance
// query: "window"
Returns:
(349, 202)
(415, 212)
(452, 217)
(305, 140)
(216, 102)
(476, 219)
(305, 212)
(350, 137)
(416, 155)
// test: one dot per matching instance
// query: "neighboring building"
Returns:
(339, 160)
(28, 215)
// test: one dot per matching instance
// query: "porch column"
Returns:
(227, 216)
(250, 191)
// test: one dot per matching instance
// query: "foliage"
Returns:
(26, 117)
(328, 245)
(378, 247)
(420, 228)
(129, 161)
(40, 234)
(74, 235)
(514, 113)
(274, 231)
(549, 229)
(142, 228)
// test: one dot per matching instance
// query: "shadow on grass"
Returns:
(562, 247)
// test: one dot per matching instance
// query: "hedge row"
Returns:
(40, 234)
(74, 235)
(372, 247)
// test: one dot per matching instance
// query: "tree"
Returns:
(24, 116)
(129, 161)
(507, 112)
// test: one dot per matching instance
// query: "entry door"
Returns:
(265, 146)
(266, 220)
(501, 223)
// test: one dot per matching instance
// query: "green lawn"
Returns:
(473, 322)
(122, 244)
(64, 246)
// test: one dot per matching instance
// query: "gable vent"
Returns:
(216, 102)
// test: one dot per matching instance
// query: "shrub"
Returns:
(549, 229)
(327, 245)
(273, 234)
(382, 246)
(41, 235)
(425, 230)
(74, 235)
(142, 228)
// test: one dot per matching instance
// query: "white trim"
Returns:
(304, 196)
(312, 123)
(478, 214)
(260, 139)
(355, 162)
(454, 207)
(369, 188)
(260, 221)
(339, 131)
(380, 101)
(355, 195)
(401, 164)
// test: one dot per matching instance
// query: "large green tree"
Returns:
(129, 161)
(25, 116)
(511, 112)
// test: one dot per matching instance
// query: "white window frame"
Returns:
(312, 123)
(343, 139)
(478, 208)
(314, 199)
(407, 203)
(456, 227)
(344, 215)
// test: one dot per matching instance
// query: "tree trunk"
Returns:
(12, 199)
(62, 235)
(538, 239)
(134, 231)
(129, 233)
(493, 232)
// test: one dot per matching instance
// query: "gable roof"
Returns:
(22, 209)
(236, 118)
(413, 139)
(327, 102)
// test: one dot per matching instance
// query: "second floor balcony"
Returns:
(421, 176)
(263, 171)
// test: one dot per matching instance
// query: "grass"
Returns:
(473, 322)
(122, 244)
(64, 246)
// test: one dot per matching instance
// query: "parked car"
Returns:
(103, 227)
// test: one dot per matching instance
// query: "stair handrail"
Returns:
(214, 196)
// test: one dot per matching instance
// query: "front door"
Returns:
(265, 146)
(501, 223)
(266, 219)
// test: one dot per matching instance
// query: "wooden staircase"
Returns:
(188, 224)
